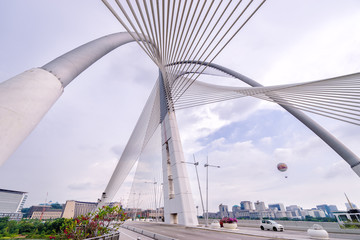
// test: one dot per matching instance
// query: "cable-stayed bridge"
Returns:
(182, 39)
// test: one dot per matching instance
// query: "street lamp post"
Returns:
(207, 165)
(197, 175)
(135, 207)
(154, 182)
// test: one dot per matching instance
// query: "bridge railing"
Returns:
(111, 236)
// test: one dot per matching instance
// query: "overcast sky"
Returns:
(74, 149)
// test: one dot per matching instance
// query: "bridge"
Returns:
(181, 61)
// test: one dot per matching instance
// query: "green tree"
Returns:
(12, 227)
(25, 212)
(3, 222)
(56, 206)
(26, 226)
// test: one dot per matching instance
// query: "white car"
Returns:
(271, 225)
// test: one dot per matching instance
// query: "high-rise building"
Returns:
(44, 212)
(73, 208)
(235, 209)
(348, 207)
(260, 206)
(316, 213)
(293, 208)
(223, 209)
(333, 208)
(11, 203)
(278, 206)
(328, 209)
(296, 211)
(246, 205)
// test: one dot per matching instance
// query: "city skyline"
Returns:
(344, 207)
(72, 153)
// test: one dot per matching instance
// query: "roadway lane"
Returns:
(130, 235)
(298, 234)
(184, 233)
(242, 233)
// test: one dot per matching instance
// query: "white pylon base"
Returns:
(179, 207)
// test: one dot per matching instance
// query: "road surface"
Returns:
(242, 233)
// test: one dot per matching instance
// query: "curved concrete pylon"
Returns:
(71, 64)
(26, 98)
(352, 159)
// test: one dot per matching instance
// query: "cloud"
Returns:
(117, 149)
(266, 140)
(336, 170)
(85, 186)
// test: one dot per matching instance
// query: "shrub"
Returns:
(227, 220)
(98, 223)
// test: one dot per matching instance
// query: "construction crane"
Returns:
(43, 210)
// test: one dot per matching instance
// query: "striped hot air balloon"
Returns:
(282, 167)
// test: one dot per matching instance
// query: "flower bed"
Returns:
(228, 220)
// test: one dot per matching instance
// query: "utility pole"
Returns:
(207, 165)
(156, 212)
(197, 176)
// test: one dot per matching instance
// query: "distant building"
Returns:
(44, 212)
(278, 206)
(316, 213)
(295, 211)
(328, 209)
(235, 209)
(261, 214)
(11, 203)
(348, 207)
(133, 212)
(242, 214)
(224, 212)
(333, 208)
(214, 215)
(293, 208)
(280, 214)
(150, 213)
(260, 206)
(74, 209)
(246, 205)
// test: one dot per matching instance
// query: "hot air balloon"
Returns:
(282, 167)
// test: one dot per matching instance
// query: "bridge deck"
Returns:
(244, 233)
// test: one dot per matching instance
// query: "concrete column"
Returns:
(24, 100)
(179, 207)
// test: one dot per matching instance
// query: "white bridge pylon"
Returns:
(179, 206)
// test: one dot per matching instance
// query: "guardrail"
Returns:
(149, 234)
(111, 236)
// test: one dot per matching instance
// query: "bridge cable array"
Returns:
(174, 31)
